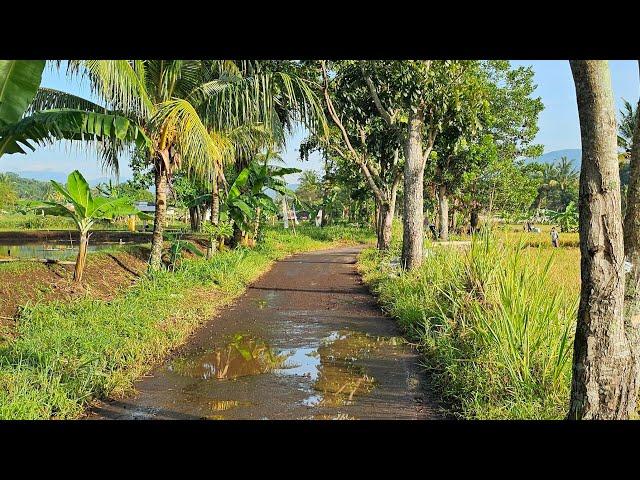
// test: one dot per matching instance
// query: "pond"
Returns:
(50, 250)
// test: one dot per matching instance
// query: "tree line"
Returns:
(458, 129)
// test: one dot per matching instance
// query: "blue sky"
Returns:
(558, 122)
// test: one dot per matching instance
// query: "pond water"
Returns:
(49, 250)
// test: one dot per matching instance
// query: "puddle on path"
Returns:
(242, 356)
(331, 370)
(332, 367)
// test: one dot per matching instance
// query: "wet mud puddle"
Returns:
(329, 373)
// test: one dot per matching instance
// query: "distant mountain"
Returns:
(61, 177)
(43, 175)
(574, 154)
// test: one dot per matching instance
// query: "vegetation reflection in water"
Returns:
(332, 367)
(244, 355)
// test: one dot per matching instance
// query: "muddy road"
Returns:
(306, 341)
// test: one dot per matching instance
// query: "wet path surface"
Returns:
(306, 341)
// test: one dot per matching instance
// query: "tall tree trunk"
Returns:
(155, 261)
(81, 259)
(604, 384)
(236, 238)
(413, 195)
(385, 219)
(443, 212)
(215, 201)
(385, 213)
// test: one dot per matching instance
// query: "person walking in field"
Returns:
(555, 237)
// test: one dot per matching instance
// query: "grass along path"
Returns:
(66, 354)
(494, 323)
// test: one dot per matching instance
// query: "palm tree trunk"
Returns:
(413, 196)
(155, 261)
(81, 259)
(215, 202)
(605, 370)
(257, 225)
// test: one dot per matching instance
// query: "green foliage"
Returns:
(27, 188)
(43, 128)
(66, 354)
(222, 230)
(86, 209)
(247, 193)
(495, 332)
(628, 119)
(19, 81)
(127, 189)
(8, 194)
(177, 247)
(568, 219)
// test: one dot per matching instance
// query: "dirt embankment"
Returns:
(106, 274)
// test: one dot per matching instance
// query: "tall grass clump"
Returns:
(494, 327)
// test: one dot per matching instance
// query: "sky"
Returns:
(558, 122)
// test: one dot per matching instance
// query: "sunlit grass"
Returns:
(66, 354)
(495, 322)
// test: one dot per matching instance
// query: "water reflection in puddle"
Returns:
(330, 369)
(337, 379)
(242, 356)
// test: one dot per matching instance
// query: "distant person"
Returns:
(434, 232)
(555, 237)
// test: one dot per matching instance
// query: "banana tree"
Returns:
(568, 220)
(19, 82)
(247, 199)
(85, 209)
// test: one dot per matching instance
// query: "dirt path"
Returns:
(305, 341)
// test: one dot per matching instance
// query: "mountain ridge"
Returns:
(574, 154)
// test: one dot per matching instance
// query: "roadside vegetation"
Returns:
(66, 354)
(448, 146)
(494, 321)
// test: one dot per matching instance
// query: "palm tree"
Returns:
(565, 173)
(628, 119)
(167, 112)
(549, 174)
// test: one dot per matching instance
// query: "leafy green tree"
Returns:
(420, 99)
(246, 200)
(628, 119)
(506, 133)
(359, 136)
(8, 195)
(309, 191)
(85, 209)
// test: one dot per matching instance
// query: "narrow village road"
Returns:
(306, 341)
